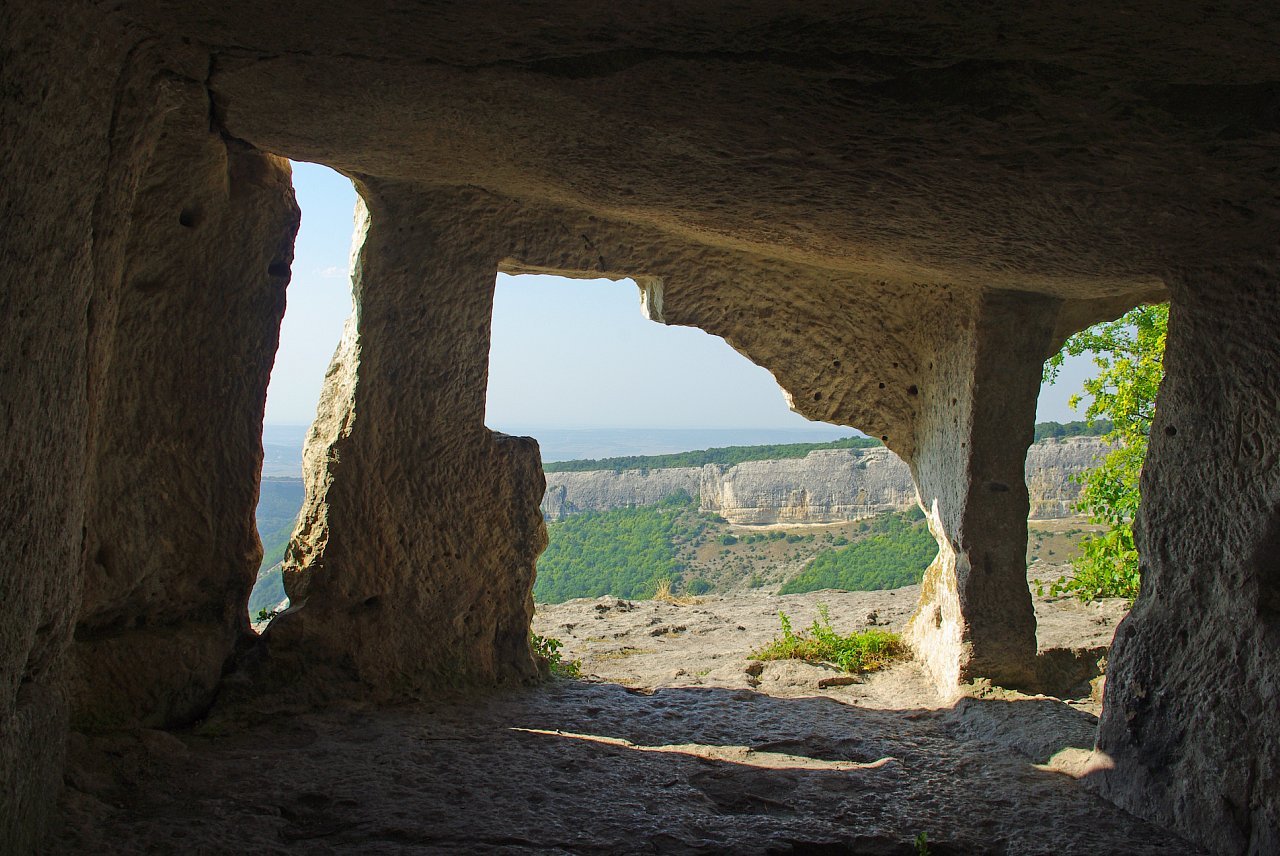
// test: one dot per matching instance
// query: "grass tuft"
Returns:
(662, 592)
(864, 651)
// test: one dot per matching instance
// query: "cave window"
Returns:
(318, 305)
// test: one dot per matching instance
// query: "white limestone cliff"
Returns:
(827, 486)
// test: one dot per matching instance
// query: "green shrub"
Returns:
(864, 651)
(698, 586)
(547, 649)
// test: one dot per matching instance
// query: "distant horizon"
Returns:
(817, 426)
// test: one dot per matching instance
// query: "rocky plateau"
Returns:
(827, 486)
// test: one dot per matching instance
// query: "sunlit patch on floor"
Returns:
(744, 755)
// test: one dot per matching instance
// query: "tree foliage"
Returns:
(623, 552)
(1129, 353)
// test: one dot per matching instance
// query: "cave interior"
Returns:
(900, 211)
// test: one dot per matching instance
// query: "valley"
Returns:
(783, 519)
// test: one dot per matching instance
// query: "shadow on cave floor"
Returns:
(585, 767)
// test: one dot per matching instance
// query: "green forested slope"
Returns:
(623, 552)
(1058, 430)
(279, 501)
(894, 554)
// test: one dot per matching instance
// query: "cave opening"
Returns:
(319, 303)
(1094, 415)
(690, 513)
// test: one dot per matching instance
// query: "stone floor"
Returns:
(591, 767)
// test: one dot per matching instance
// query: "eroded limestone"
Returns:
(975, 618)
(186, 347)
(413, 562)
(1191, 699)
(832, 189)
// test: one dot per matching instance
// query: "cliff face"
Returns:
(828, 486)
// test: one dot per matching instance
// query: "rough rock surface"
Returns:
(975, 618)
(167, 560)
(841, 191)
(693, 754)
(706, 642)
(412, 564)
(80, 99)
(826, 486)
(1193, 675)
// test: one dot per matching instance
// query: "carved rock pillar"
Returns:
(975, 421)
(184, 356)
(413, 562)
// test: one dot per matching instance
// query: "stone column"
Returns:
(1191, 719)
(975, 421)
(183, 356)
(412, 566)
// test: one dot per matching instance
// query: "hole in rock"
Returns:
(685, 505)
(1079, 532)
(319, 303)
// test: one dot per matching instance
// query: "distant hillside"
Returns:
(279, 501)
(895, 553)
(726, 456)
(1059, 430)
(624, 527)
(825, 486)
(628, 552)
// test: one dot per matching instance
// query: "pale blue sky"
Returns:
(565, 354)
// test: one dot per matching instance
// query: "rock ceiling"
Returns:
(1073, 150)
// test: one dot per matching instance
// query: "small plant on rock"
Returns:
(547, 650)
(864, 651)
(662, 592)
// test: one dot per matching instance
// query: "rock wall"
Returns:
(412, 565)
(602, 490)
(826, 486)
(168, 562)
(898, 209)
(79, 99)
(1190, 735)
